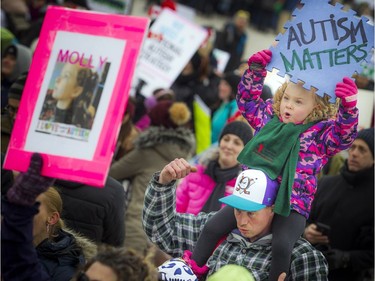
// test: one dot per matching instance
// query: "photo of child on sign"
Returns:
(72, 97)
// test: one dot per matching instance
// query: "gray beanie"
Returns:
(367, 135)
(238, 128)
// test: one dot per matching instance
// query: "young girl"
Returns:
(70, 102)
(295, 135)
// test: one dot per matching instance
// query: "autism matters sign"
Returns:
(321, 45)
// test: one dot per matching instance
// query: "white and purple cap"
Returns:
(253, 191)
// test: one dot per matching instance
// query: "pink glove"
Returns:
(199, 271)
(260, 59)
(347, 92)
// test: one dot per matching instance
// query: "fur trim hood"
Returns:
(153, 136)
(89, 248)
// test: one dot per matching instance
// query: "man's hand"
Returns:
(177, 169)
(282, 277)
(314, 236)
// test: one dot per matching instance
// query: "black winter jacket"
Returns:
(346, 203)
(97, 213)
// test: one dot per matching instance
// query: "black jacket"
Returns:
(346, 203)
(61, 257)
(97, 213)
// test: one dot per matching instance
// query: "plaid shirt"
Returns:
(174, 233)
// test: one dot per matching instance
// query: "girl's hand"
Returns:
(347, 92)
(259, 60)
(177, 169)
(314, 236)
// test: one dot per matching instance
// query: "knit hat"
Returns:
(253, 191)
(238, 128)
(169, 4)
(176, 269)
(159, 95)
(169, 114)
(232, 272)
(7, 38)
(367, 135)
(233, 80)
(16, 89)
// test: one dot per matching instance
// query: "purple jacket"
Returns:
(318, 143)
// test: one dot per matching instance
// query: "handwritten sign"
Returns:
(75, 94)
(321, 45)
(113, 6)
(170, 44)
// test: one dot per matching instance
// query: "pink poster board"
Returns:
(98, 52)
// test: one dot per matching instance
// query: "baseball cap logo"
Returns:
(244, 183)
(253, 191)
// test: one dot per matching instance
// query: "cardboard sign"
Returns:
(202, 124)
(76, 93)
(171, 42)
(321, 45)
(113, 6)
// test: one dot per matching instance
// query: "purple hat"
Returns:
(253, 191)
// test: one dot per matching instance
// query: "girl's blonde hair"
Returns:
(53, 202)
(323, 111)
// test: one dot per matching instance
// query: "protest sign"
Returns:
(222, 58)
(171, 42)
(113, 6)
(184, 11)
(202, 124)
(322, 44)
(75, 94)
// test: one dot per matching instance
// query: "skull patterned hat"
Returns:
(176, 269)
(253, 191)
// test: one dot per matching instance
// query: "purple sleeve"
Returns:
(256, 111)
(342, 132)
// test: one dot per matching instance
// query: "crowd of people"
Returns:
(262, 202)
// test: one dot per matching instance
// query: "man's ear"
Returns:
(54, 218)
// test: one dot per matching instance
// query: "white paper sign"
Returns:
(222, 58)
(43, 134)
(171, 42)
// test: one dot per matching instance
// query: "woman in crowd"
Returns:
(35, 244)
(28, 210)
(227, 105)
(216, 174)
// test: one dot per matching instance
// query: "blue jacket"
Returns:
(60, 257)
